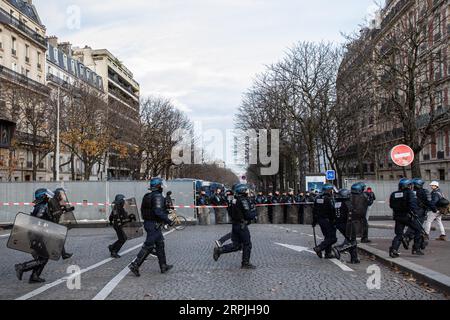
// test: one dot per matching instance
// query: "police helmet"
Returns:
(41, 194)
(363, 186)
(357, 188)
(327, 187)
(241, 189)
(156, 184)
(404, 184)
(119, 199)
(417, 182)
(344, 194)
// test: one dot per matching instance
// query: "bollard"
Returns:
(204, 218)
(307, 214)
(263, 215)
(221, 215)
(278, 215)
(292, 214)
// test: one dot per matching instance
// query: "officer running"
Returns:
(324, 215)
(57, 207)
(404, 204)
(242, 215)
(41, 211)
(117, 218)
(155, 215)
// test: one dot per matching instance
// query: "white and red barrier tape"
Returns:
(102, 204)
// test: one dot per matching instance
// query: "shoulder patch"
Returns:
(338, 205)
(320, 201)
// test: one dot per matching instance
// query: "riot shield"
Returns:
(221, 215)
(354, 229)
(68, 217)
(132, 229)
(38, 237)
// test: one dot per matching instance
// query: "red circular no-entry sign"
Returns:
(402, 155)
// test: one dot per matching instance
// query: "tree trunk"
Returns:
(35, 164)
(72, 166)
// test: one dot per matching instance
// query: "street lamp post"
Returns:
(57, 137)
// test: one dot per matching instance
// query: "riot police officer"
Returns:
(117, 219)
(242, 216)
(404, 204)
(344, 223)
(361, 203)
(425, 205)
(155, 215)
(57, 207)
(260, 198)
(324, 215)
(41, 211)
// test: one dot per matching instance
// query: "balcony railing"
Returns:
(23, 80)
(6, 18)
(393, 12)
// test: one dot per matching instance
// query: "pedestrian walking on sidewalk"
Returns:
(436, 196)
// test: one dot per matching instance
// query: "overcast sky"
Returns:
(202, 54)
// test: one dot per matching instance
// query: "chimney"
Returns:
(53, 41)
(66, 47)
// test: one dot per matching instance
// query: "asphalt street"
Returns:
(287, 269)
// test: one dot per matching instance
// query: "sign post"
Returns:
(402, 155)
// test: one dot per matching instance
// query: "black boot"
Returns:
(248, 266)
(115, 255)
(217, 252)
(36, 275)
(135, 269)
(165, 267)
(405, 242)
(418, 252)
(19, 271)
(318, 252)
(393, 253)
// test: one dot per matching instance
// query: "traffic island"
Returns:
(431, 269)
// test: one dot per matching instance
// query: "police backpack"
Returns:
(399, 202)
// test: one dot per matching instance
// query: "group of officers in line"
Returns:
(334, 210)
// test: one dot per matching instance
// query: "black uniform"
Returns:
(324, 215)
(403, 203)
(361, 203)
(56, 211)
(117, 218)
(242, 215)
(344, 224)
(155, 215)
(425, 205)
(37, 265)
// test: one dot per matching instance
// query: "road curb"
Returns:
(435, 279)
(392, 227)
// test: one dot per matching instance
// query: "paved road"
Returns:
(287, 269)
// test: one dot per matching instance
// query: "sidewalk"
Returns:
(432, 268)
(390, 224)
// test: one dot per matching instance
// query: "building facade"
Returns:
(432, 18)
(64, 73)
(123, 93)
(22, 72)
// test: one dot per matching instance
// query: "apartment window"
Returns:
(27, 53)
(437, 27)
(55, 54)
(14, 66)
(14, 46)
(438, 100)
(441, 174)
(39, 60)
(65, 61)
(73, 66)
(27, 73)
(428, 175)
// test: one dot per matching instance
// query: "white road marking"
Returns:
(4, 235)
(110, 286)
(295, 248)
(64, 279)
(341, 265)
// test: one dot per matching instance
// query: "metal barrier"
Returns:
(263, 215)
(221, 215)
(203, 216)
(292, 214)
(278, 215)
